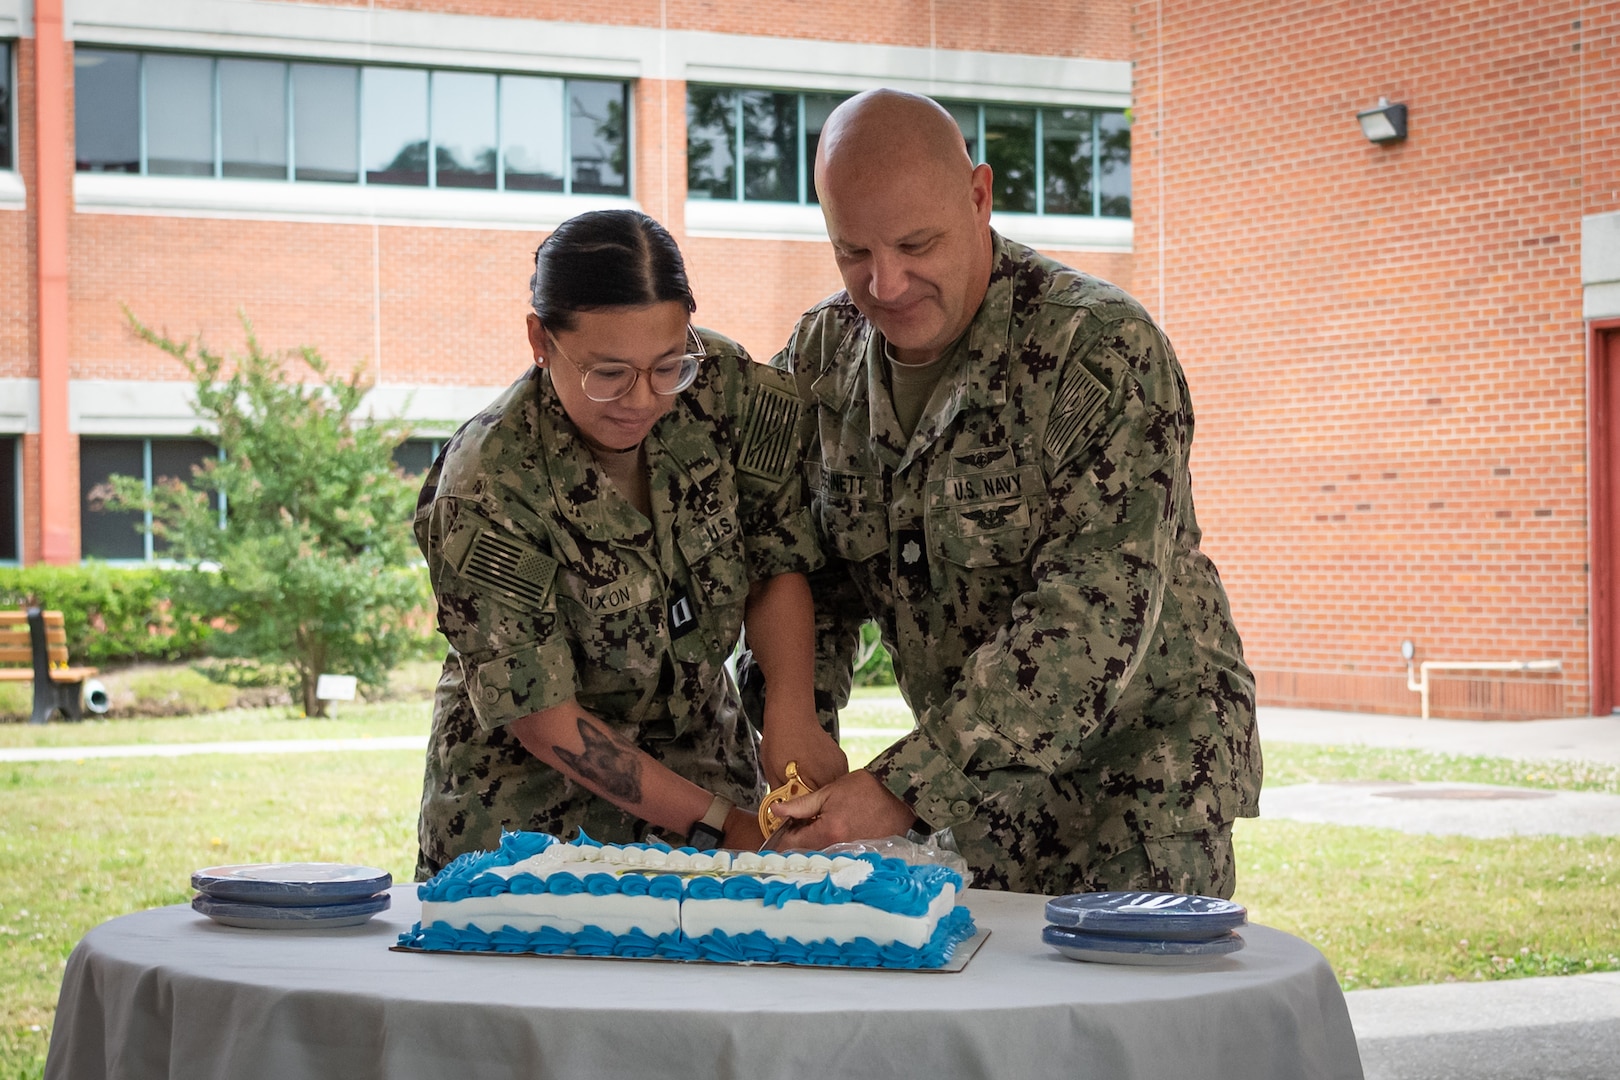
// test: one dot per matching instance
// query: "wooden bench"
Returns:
(33, 647)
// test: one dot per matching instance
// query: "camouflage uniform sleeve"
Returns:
(495, 592)
(1034, 693)
(778, 537)
(839, 610)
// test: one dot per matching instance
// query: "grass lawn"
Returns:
(83, 841)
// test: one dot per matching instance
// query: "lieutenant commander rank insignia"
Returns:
(512, 567)
(770, 433)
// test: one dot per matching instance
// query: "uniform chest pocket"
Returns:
(713, 553)
(985, 519)
(852, 516)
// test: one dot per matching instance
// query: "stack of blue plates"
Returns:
(290, 896)
(1143, 927)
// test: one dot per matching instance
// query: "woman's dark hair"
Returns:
(604, 259)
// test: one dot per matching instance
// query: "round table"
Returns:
(168, 993)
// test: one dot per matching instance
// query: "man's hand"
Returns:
(853, 807)
(815, 754)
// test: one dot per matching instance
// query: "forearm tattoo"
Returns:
(607, 763)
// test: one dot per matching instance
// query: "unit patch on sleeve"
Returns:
(507, 565)
(1075, 411)
(770, 433)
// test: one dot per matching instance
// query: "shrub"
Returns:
(112, 615)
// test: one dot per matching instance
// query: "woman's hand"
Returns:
(802, 740)
(742, 831)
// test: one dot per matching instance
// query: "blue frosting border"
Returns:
(719, 947)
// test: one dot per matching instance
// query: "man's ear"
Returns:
(983, 192)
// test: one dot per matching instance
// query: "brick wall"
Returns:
(1097, 29)
(1384, 343)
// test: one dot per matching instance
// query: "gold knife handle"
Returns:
(791, 788)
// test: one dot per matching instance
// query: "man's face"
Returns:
(913, 248)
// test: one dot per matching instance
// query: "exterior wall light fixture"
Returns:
(1384, 123)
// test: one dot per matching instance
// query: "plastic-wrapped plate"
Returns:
(1105, 949)
(301, 917)
(1147, 915)
(291, 884)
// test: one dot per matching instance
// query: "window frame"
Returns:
(626, 91)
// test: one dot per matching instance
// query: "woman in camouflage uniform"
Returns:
(595, 538)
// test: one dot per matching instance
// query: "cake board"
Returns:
(959, 958)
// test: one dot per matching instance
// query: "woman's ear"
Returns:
(537, 338)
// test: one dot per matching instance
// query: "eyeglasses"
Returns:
(613, 379)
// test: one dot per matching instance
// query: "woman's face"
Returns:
(642, 337)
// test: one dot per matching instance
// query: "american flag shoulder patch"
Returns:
(770, 433)
(507, 565)
(1074, 412)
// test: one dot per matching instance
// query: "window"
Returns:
(1073, 162)
(10, 487)
(177, 114)
(415, 456)
(5, 120)
(105, 534)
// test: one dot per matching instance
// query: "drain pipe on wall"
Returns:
(1420, 685)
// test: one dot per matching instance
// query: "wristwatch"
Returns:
(709, 830)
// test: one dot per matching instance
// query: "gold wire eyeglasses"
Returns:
(613, 379)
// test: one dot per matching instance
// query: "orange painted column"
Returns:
(58, 487)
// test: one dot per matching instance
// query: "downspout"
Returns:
(58, 484)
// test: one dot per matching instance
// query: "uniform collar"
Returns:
(577, 484)
(978, 377)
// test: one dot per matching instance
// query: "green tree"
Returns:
(310, 559)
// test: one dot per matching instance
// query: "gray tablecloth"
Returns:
(167, 993)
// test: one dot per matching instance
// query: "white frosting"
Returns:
(617, 913)
(807, 922)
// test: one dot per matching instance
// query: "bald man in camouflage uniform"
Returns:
(550, 587)
(1028, 547)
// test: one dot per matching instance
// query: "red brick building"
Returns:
(1399, 351)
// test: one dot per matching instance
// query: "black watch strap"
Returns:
(708, 831)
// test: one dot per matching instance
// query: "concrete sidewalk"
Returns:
(1594, 738)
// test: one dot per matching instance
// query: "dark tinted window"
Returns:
(415, 456)
(5, 109)
(394, 118)
(179, 115)
(177, 459)
(104, 534)
(9, 543)
(1009, 149)
(1068, 147)
(326, 119)
(253, 118)
(770, 146)
(598, 137)
(711, 143)
(107, 110)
